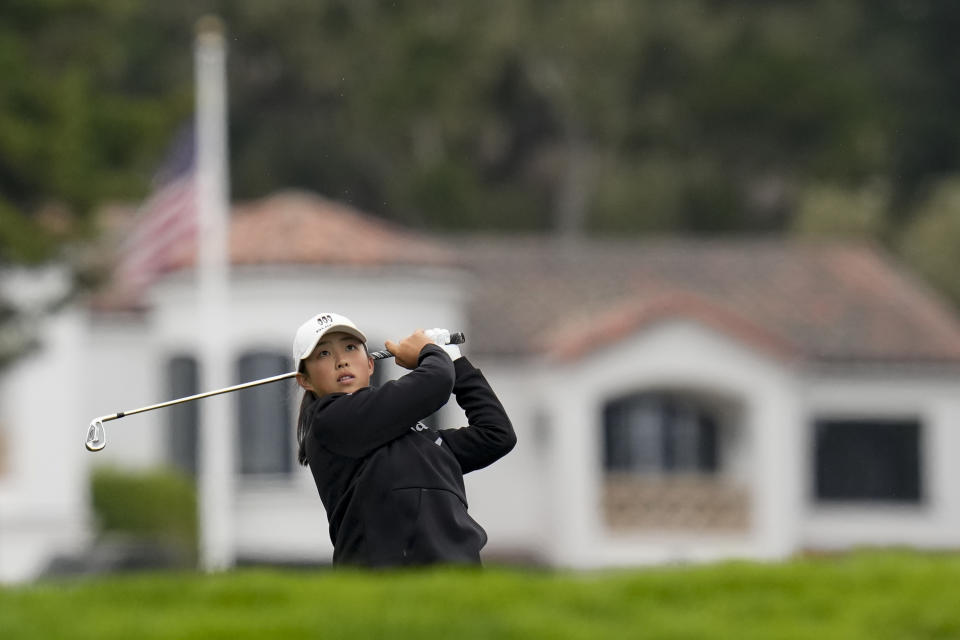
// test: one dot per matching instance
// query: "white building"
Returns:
(673, 400)
(700, 400)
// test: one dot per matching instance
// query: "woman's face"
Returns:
(338, 364)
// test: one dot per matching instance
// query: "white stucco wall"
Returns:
(888, 393)
(44, 507)
(124, 370)
(511, 497)
(678, 354)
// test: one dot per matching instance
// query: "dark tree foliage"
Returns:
(609, 116)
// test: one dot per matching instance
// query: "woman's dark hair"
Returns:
(303, 425)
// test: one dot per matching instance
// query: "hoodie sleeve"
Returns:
(353, 425)
(489, 434)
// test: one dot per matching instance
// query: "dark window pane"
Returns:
(264, 416)
(707, 457)
(657, 433)
(182, 419)
(868, 460)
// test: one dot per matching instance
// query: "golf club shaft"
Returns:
(455, 338)
(96, 438)
(199, 396)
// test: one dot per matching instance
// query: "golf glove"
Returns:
(441, 337)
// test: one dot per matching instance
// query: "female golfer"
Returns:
(393, 487)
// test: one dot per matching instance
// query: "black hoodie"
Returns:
(393, 488)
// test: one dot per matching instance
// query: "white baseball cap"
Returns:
(310, 332)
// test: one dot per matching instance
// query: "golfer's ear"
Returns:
(370, 362)
(304, 382)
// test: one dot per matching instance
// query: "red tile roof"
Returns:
(828, 302)
(295, 227)
(825, 302)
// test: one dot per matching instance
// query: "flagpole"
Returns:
(216, 468)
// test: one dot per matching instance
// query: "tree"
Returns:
(827, 210)
(80, 123)
(609, 116)
(931, 239)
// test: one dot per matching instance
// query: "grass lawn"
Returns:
(871, 595)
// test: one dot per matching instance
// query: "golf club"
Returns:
(97, 435)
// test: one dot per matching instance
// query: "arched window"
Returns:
(264, 418)
(657, 432)
(670, 459)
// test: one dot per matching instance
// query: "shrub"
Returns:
(157, 506)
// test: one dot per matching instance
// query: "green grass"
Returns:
(861, 595)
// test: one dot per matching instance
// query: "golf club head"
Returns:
(96, 436)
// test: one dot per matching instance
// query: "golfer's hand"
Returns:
(407, 351)
(441, 337)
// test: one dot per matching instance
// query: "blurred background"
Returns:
(705, 251)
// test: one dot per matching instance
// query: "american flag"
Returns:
(166, 225)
